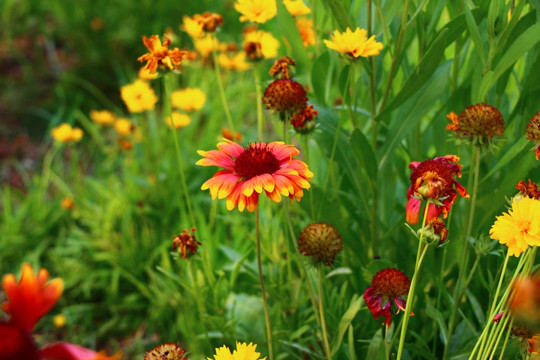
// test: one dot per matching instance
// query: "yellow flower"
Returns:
(260, 44)
(188, 99)
(65, 133)
(145, 74)
(192, 27)
(102, 117)
(59, 320)
(305, 28)
(355, 43)
(242, 352)
(178, 120)
(259, 11)
(205, 44)
(138, 96)
(296, 7)
(234, 62)
(67, 203)
(520, 227)
(124, 127)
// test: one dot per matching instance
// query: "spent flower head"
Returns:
(533, 132)
(281, 68)
(160, 54)
(529, 189)
(321, 242)
(168, 351)
(210, 21)
(285, 97)
(477, 124)
(354, 44)
(304, 120)
(185, 242)
(435, 231)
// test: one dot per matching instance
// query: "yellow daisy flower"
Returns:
(124, 127)
(520, 227)
(65, 133)
(242, 352)
(192, 27)
(188, 99)
(138, 96)
(259, 11)
(102, 117)
(235, 62)
(296, 7)
(179, 120)
(355, 43)
(260, 44)
(205, 44)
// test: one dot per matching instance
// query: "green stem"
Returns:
(323, 322)
(220, 85)
(258, 100)
(261, 280)
(422, 249)
(386, 347)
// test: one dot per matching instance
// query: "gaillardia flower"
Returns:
(477, 124)
(304, 120)
(533, 132)
(286, 97)
(387, 285)
(259, 11)
(168, 351)
(354, 44)
(243, 352)
(160, 54)
(185, 242)
(250, 170)
(321, 242)
(65, 133)
(433, 179)
(520, 227)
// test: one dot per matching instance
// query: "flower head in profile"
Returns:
(296, 7)
(185, 242)
(305, 28)
(354, 44)
(477, 124)
(138, 96)
(269, 167)
(321, 242)
(168, 351)
(533, 132)
(160, 54)
(66, 134)
(386, 286)
(285, 97)
(102, 117)
(188, 99)
(435, 231)
(243, 352)
(304, 120)
(178, 120)
(230, 135)
(519, 228)
(258, 11)
(259, 44)
(434, 179)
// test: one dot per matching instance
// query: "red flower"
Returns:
(387, 285)
(433, 179)
(285, 96)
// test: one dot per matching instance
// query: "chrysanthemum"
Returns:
(188, 99)
(259, 11)
(65, 133)
(305, 28)
(520, 227)
(160, 54)
(387, 285)
(259, 44)
(354, 44)
(243, 352)
(296, 7)
(285, 97)
(477, 124)
(533, 132)
(321, 242)
(433, 179)
(138, 96)
(250, 170)
(102, 117)
(168, 351)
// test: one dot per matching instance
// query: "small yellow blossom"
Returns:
(179, 120)
(296, 7)
(188, 99)
(235, 62)
(124, 127)
(354, 44)
(259, 11)
(67, 203)
(102, 117)
(260, 44)
(59, 320)
(205, 44)
(138, 96)
(243, 352)
(192, 27)
(145, 74)
(65, 133)
(305, 28)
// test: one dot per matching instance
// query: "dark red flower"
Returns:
(285, 96)
(304, 121)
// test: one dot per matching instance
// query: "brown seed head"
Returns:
(477, 124)
(169, 351)
(391, 282)
(321, 242)
(285, 96)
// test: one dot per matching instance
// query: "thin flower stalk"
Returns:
(323, 321)
(386, 343)
(220, 84)
(258, 96)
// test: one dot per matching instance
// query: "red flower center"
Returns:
(391, 282)
(432, 179)
(256, 160)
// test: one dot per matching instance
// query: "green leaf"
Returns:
(509, 155)
(439, 318)
(375, 345)
(321, 84)
(475, 34)
(340, 14)
(346, 320)
(362, 149)
(289, 31)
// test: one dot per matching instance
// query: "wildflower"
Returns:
(234, 61)
(387, 285)
(524, 302)
(206, 44)
(59, 320)
(434, 179)
(250, 170)
(67, 203)
(354, 44)
(521, 331)
(210, 21)
(285, 96)
(434, 231)
(260, 44)
(296, 7)
(192, 26)
(229, 135)
(188, 99)
(477, 124)
(280, 68)
(185, 242)
(124, 127)
(124, 144)
(65, 133)
(520, 227)
(178, 120)
(529, 190)
(138, 96)
(534, 346)
(533, 132)
(160, 54)
(321, 242)
(144, 74)
(259, 11)
(102, 117)
(168, 351)
(243, 352)
(305, 28)
(304, 120)
(28, 300)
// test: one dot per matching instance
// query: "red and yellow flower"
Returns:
(269, 167)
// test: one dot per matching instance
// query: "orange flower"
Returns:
(305, 28)
(209, 21)
(280, 68)
(185, 242)
(524, 303)
(286, 97)
(304, 120)
(533, 132)
(160, 54)
(67, 203)
(166, 351)
(250, 170)
(477, 124)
